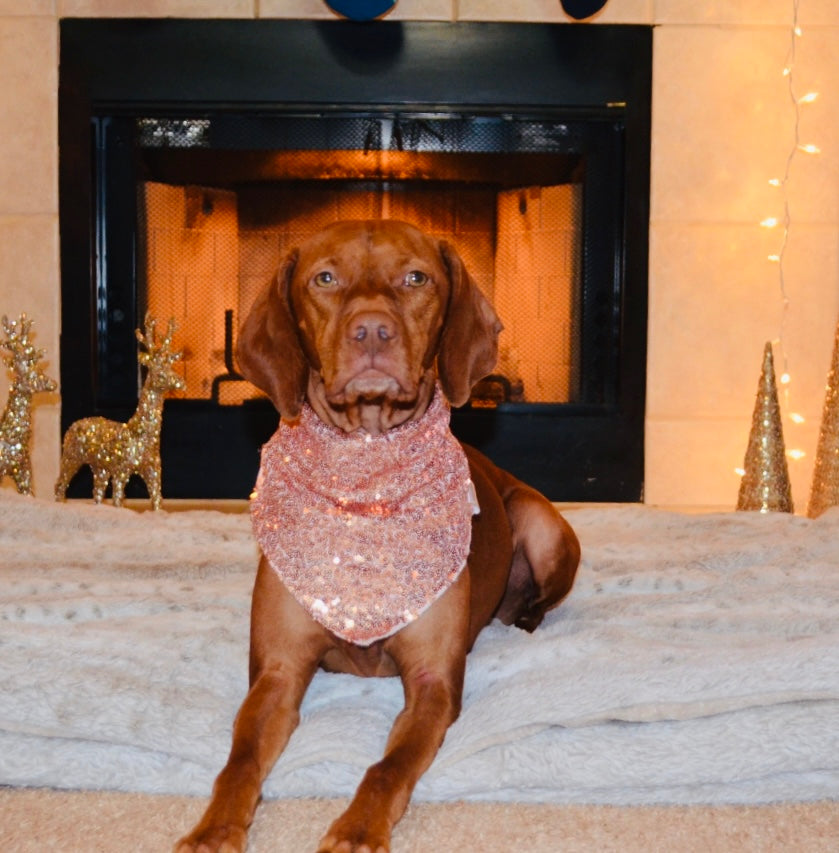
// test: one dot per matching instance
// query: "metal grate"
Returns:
(506, 191)
(173, 133)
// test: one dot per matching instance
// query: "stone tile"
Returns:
(720, 131)
(547, 11)
(811, 273)
(694, 462)
(12, 8)
(46, 445)
(28, 115)
(29, 261)
(717, 144)
(424, 10)
(405, 10)
(814, 179)
(749, 12)
(306, 9)
(816, 13)
(712, 307)
(157, 8)
(715, 301)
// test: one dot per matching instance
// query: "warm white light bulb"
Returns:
(785, 379)
(774, 182)
(808, 98)
(796, 418)
(769, 222)
(810, 148)
(796, 454)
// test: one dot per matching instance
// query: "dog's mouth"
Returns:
(372, 400)
(370, 385)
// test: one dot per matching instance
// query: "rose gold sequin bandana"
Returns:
(365, 531)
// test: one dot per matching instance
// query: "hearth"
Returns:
(195, 153)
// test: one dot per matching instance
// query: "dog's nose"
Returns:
(382, 332)
(372, 331)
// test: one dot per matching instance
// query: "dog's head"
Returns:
(361, 315)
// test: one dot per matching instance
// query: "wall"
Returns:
(722, 126)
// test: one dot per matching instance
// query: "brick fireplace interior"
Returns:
(209, 246)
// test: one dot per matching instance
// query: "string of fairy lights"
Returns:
(778, 257)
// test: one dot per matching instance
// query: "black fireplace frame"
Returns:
(113, 69)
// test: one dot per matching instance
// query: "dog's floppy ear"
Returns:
(269, 352)
(469, 341)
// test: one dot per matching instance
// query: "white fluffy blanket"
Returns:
(696, 661)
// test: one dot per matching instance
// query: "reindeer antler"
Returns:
(146, 336)
(17, 341)
(154, 350)
(11, 328)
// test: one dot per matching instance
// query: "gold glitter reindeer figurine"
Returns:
(16, 424)
(116, 450)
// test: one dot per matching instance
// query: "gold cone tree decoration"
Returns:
(765, 485)
(825, 489)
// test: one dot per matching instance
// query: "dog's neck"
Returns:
(375, 416)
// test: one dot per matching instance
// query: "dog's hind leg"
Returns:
(546, 554)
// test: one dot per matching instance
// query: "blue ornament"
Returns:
(361, 10)
(580, 9)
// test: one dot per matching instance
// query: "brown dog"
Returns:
(362, 323)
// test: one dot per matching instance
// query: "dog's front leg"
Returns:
(263, 726)
(431, 656)
(286, 648)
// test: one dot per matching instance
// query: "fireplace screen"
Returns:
(515, 217)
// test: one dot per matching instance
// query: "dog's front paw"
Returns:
(349, 836)
(214, 839)
(331, 844)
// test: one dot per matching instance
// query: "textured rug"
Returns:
(695, 662)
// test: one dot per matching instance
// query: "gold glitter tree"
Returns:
(825, 489)
(765, 485)
(28, 378)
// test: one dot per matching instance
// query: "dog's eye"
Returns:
(325, 279)
(416, 278)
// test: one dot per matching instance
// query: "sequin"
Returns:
(365, 531)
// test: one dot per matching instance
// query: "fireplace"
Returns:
(185, 178)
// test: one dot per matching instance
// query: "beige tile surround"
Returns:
(722, 126)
